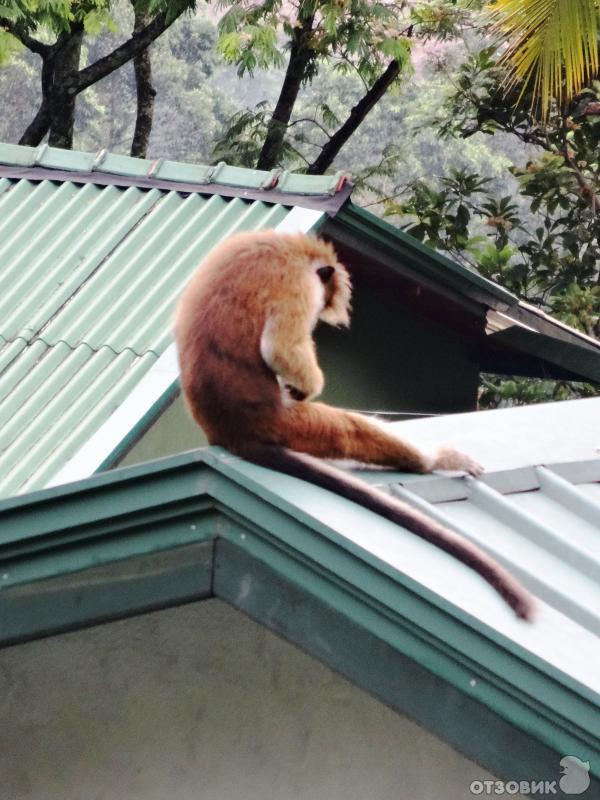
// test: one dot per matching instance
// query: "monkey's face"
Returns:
(336, 291)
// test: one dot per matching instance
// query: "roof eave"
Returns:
(236, 536)
(528, 331)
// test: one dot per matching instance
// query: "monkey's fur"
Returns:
(249, 371)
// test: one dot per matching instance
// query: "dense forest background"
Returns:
(406, 97)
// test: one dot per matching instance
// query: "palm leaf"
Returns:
(552, 45)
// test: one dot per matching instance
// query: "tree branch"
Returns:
(356, 117)
(125, 52)
(38, 127)
(28, 41)
(300, 57)
(142, 67)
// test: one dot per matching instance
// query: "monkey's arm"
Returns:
(287, 347)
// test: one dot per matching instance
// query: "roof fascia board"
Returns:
(494, 651)
(578, 357)
(414, 254)
(153, 395)
(178, 496)
(107, 590)
(333, 636)
(538, 320)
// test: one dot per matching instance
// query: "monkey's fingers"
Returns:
(448, 458)
(294, 393)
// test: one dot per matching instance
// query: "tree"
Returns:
(543, 241)
(372, 40)
(142, 67)
(62, 79)
(190, 108)
(553, 46)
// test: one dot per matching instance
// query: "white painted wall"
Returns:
(200, 702)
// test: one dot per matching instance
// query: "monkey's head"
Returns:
(320, 258)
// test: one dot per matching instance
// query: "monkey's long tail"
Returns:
(318, 472)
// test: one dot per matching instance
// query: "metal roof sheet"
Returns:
(537, 507)
(90, 271)
(88, 281)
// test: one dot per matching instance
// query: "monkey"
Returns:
(249, 374)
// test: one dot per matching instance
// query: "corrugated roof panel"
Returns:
(129, 302)
(559, 576)
(89, 279)
(27, 374)
(538, 516)
(91, 399)
(8, 352)
(60, 255)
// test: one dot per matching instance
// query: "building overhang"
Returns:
(203, 525)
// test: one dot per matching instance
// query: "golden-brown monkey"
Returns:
(249, 371)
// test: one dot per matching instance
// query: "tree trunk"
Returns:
(300, 57)
(40, 124)
(65, 87)
(356, 117)
(38, 127)
(146, 93)
(57, 109)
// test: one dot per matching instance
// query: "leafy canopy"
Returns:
(552, 46)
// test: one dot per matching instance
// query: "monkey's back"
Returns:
(218, 328)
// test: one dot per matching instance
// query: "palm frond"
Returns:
(552, 45)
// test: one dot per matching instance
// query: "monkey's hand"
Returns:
(288, 349)
(302, 380)
(294, 393)
(447, 458)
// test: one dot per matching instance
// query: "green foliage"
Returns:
(496, 392)
(356, 33)
(56, 15)
(44, 18)
(440, 19)
(9, 47)
(350, 43)
(241, 142)
(254, 48)
(542, 242)
(552, 47)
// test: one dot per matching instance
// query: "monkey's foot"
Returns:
(447, 458)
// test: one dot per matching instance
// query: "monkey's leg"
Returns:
(327, 432)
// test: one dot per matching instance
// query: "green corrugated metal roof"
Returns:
(90, 275)
(90, 271)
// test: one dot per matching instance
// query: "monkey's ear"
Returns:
(325, 273)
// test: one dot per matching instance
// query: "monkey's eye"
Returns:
(325, 273)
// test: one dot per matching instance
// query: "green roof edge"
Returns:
(160, 169)
(202, 496)
(402, 245)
